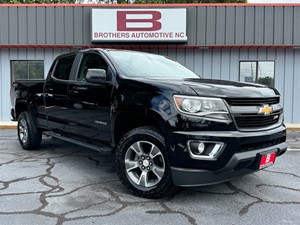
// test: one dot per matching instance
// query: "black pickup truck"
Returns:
(166, 126)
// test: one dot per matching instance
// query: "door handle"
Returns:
(73, 92)
(48, 89)
(80, 88)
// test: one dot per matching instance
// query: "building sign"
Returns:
(139, 25)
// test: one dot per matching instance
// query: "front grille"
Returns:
(253, 120)
(250, 121)
(252, 101)
(242, 165)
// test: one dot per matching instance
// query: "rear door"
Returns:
(56, 93)
(90, 102)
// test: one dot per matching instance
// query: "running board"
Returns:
(101, 149)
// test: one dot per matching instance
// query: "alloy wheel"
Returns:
(144, 164)
(23, 131)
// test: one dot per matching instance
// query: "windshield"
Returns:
(138, 64)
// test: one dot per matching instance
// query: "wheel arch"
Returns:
(21, 106)
(135, 162)
(126, 121)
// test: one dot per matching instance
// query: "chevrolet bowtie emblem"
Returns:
(266, 110)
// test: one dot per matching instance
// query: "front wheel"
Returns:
(29, 135)
(143, 165)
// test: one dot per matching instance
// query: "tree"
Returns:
(186, 1)
(269, 81)
(36, 1)
(158, 1)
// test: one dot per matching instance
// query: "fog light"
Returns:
(201, 148)
(206, 150)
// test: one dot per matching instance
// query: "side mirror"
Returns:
(95, 76)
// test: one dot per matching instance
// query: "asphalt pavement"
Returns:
(67, 184)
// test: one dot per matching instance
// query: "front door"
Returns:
(89, 109)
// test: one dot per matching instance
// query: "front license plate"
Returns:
(267, 160)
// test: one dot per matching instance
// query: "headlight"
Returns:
(191, 105)
(281, 101)
(202, 106)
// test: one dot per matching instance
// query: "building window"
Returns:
(261, 72)
(27, 69)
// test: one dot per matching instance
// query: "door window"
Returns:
(63, 67)
(91, 61)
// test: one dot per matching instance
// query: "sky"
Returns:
(273, 1)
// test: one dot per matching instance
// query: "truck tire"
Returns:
(29, 135)
(142, 163)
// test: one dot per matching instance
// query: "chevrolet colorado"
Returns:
(166, 125)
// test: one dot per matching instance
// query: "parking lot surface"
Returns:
(67, 184)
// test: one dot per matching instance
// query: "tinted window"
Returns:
(63, 67)
(91, 61)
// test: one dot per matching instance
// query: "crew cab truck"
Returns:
(166, 125)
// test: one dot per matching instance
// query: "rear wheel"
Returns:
(143, 165)
(29, 135)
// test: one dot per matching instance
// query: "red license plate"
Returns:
(267, 160)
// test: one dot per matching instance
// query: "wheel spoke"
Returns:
(154, 152)
(21, 129)
(136, 147)
(130, 165)
(23, 124)
(143, 180)
(25, 135)
(158, 171)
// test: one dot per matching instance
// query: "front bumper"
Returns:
(237, 162)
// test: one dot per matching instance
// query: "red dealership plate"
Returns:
(267, 160)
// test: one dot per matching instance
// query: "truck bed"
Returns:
(21, 90)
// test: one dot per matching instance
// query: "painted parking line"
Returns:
(293, 149)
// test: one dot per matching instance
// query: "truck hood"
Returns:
(223, 89)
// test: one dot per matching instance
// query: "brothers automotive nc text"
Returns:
(139, 35)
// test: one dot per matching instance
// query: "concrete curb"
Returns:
(13, 125)
(293, 126)
(8, 125)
